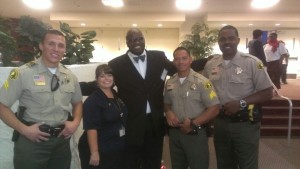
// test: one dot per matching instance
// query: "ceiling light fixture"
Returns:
(38, 4)
(159, 25)
(188, 5)
(113, 3)
(277, 24)
(134, 25)
(261, 4)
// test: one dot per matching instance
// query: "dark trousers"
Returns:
(150, 154)
(236, 144)
(274, 70)
(283, 72)
(52, 154)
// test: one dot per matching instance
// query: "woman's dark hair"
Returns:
(103, 69)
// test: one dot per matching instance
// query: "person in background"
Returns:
(256, 47)
(242, 84)
(45, 89)
(284, 66)
(102, 144)
(140, 76)
(189, 102)
(275, 53)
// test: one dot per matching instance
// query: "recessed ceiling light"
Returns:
(261, 4)
(224, 24)
(277, 24)
(113, 3)
(250, 24)
(190, 5)
(159, 25)
(134, 25)
(38, 4)
(82, 24)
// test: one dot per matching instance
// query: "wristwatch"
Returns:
(243, 104)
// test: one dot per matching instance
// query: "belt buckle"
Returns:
(54, 131)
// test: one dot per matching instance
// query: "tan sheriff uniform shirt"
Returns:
(31, 85)
(241, 77)
(190, 98)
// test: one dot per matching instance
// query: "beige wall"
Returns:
(111, 41)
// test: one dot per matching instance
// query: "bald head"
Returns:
(135, 41)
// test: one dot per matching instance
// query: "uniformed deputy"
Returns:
(190, 101)
(241, 82)
(46, 89)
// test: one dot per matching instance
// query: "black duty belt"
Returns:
(193, 132)
(52, 130)
(251, 113)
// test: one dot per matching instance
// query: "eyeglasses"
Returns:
(54, 83)
(137, 39)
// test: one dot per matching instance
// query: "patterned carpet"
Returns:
(268, 157)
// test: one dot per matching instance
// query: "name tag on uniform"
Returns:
(39, 80)
(122, 131)
(164, 74)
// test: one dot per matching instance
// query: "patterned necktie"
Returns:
(136, 59)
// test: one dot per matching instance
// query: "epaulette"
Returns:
(173, 76)
(31, 63)
(198, 75)
(259, 63)
(64, 66)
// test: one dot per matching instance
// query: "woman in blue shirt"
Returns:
(102, 145)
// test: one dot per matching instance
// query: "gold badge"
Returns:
(208, 85)
(260, 65)
(14, 74)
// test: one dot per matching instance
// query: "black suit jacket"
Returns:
(135, 91)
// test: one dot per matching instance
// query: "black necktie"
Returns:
(136, 59)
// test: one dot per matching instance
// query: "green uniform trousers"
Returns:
(188, 150)
(236, 144)
(52, 154)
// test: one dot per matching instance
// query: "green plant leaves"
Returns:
(201, 40)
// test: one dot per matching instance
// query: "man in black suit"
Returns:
(140, 77)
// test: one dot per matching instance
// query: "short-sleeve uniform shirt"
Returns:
(190, 98)
(239, 78)
(31, 85)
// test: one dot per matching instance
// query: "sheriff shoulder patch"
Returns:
(207, 85)
(260, 65)
(14, 74)
(212, 95)
(6, 84)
